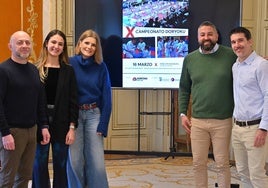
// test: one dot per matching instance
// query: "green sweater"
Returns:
(207, 78)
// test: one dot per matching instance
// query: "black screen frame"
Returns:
(105, 17)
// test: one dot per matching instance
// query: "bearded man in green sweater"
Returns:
(207, 78)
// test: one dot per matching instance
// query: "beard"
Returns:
(23, 55)
(208, 46)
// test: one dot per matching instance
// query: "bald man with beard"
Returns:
(22, 106)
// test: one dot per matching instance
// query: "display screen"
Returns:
(155, 42)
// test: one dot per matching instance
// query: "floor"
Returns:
(156, 172)
(136, 171)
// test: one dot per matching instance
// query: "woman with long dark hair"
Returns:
(61, 93)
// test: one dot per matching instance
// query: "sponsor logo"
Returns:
(139, 78)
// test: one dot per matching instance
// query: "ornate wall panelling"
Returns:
(249, 17)
(263, 17)
(157, 125)
(255, 18)
(59, 14)
(126, 119)
(124, 123)
(68, 24)
(23, 15)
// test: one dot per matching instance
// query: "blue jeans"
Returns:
(40, 170)
(85, 166)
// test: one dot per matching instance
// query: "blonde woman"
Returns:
(86, 157)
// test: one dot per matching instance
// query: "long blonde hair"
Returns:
(63, 57)
(90, 33)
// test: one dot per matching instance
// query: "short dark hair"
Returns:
(241, 30)
(208, 23)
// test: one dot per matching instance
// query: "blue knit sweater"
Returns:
(94, 85)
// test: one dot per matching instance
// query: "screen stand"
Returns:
(172, 148)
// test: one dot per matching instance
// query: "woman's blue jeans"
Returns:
(40, 170)
(85, 166)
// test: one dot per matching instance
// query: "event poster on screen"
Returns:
(155, 42)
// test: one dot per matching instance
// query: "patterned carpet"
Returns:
(157, 173)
